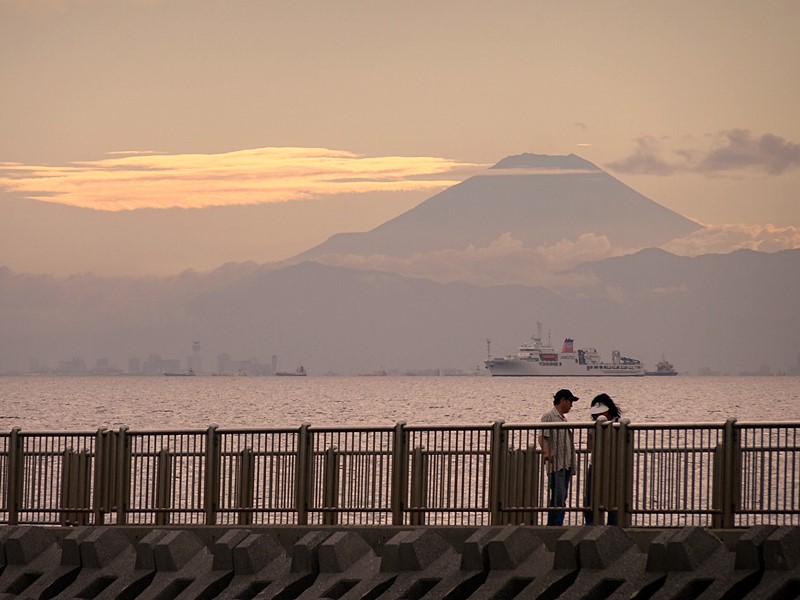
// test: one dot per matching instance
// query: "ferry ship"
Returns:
(537, 359)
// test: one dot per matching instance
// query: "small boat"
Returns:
(298, 372)
(189, 373)
(663, 367)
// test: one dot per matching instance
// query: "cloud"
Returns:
(722, 239)
(768, 153)
(646, 159)
(729, 151)
(133, 180)
(505, 261)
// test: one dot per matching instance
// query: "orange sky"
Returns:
(138, 104)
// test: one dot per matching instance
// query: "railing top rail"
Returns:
(677, 425)
(417, 427)
(349, 428)
(473, 427)
(763, 424)
(256, 430)
(52, 434)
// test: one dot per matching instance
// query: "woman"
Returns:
(602, 405)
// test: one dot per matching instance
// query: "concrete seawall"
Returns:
(398, 562)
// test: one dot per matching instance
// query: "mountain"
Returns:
(728, 313)
(538, 199)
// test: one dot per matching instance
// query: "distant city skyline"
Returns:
(227, 364)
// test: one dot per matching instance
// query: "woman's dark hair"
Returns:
(614, 411)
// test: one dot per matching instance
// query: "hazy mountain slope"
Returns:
(735, 312)
(564, 198)
(729, 313)
(43, 237)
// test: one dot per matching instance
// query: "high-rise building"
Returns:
(194, 361)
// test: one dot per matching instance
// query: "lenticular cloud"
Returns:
(128, 181)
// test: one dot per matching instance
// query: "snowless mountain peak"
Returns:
(545, 161)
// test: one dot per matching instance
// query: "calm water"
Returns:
(87, 403)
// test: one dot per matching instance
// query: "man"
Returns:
(558, 452)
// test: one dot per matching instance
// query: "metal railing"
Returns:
(648, 475)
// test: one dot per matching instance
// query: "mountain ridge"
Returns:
(715, 312)
(535, 208)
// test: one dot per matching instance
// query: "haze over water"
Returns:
(169, 403)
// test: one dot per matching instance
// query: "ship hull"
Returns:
(516, 367)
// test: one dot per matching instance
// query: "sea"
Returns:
(80, 404)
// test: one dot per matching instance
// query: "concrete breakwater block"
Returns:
(511, 547)
(611, 565)
(340, 551)
(102, 546)
(781, 577)
(750, 547)
(31, 560)
(260, 565)
(263, 570)
(681, 550)
(421, 562)
(370, 563)
(696, 564)
(475, 553)
(782, 549)
(23, 543)
(512, 557)
(79, 565)
(257, 552)
(222, 549)
(101, 556)
(348, 566)
(413, 550)
(184, 568)
(176, 549)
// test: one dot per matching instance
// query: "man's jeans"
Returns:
(559, 489)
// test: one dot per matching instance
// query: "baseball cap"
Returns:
(565, 394)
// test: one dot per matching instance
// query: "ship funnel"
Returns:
(567, 345)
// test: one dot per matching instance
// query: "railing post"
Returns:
(599, 454)
(512, 487)
(122, 481)
(163, 491)
(65, 518)
(303, 475)
(399, 472)
(75, 484)
(16, 463)
(245, 489)
(212, 471)
(730, 473)
(419, 484)
(625, 474)
(330, 486)
(497, 453)
(100, 475)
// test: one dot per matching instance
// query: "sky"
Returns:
(345, 114)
